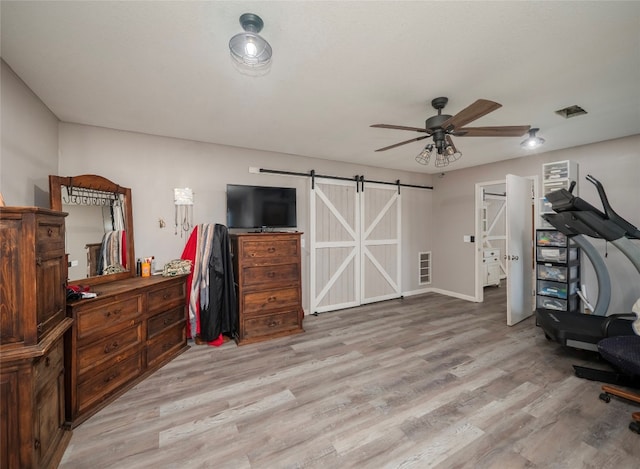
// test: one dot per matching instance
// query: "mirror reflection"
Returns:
(96, 233)
(99, 227)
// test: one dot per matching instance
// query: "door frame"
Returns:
(479, 289)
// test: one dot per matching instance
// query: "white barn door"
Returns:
(381, 253)
(355, 251)
(334, 245)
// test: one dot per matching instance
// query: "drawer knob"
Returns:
(271, 274)
(38, 261)
(166, 296)
(36, 444)
(271, 299)
(47, 362)
(110, 377)
(273, 324)
(166, 321)
(109, 348)
(271, 249)
(115, 312)
(49, 232)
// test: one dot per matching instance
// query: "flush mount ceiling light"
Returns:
(249, 49)
(532, 142)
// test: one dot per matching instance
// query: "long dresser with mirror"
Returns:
(134, 325)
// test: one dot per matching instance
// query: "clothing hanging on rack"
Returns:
(220, 315)
(113, 251)
(211, 298)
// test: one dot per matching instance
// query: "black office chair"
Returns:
(623, 353)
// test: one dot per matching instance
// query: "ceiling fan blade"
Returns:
(476, 110)
(402, 143)
(400, 127)
(501, 131)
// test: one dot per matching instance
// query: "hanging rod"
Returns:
(82, 196)
(504, 194)
(312, 174)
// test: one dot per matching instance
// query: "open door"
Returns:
(519, 255)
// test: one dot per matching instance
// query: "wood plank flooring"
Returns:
(427, 381)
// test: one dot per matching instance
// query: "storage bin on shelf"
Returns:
(557, 272)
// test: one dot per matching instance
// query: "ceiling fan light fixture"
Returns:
(249, 49)
(442, 126)
(532, 141)
(452, 153)
(425, 155)
(441, 160)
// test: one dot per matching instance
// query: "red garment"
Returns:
(189, 253)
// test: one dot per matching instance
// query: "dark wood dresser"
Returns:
(33, 274)
(130, 330)
(267, 268)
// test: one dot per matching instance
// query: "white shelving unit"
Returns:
(556, 175)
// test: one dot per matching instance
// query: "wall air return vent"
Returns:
(571, 111)
(424, 268)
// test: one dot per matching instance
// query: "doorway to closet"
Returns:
(518, 213)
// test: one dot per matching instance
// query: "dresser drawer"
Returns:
(165, 344)
(270, 324)
(272, 250)
(161, 321)
(256, 303)
(108, 317)
(160, 299)
(285, 274)
(96, 387)
(49, 234)
(48, 367)
(114, 348)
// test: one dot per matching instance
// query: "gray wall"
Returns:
(615, 163)
(153, 166)
(29, 151)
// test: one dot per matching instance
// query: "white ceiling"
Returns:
(164, 68)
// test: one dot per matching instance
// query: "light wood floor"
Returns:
(428, 381)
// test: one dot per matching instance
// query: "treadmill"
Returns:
(577, 218)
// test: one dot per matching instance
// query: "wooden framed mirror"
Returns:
(99, 227)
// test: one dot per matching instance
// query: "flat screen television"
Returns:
(261, 207)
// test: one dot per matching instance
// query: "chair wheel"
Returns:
(605, 397)
(635, 427)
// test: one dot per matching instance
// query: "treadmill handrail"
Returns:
(630, 230)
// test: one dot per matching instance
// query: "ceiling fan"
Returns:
(442, 126)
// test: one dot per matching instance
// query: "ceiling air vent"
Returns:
(571, 111)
